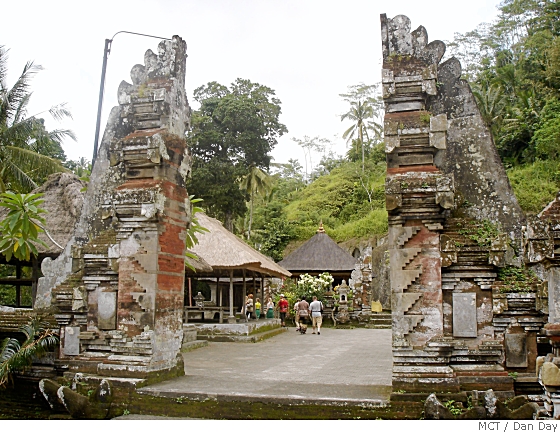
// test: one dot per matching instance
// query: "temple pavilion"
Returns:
(320, 254)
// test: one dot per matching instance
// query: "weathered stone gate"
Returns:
(117, 289)
(453, 222)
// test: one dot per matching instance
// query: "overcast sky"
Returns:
(308, 51)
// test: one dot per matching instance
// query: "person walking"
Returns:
(270, 308)
(316, 308)
(258, 308)
(249, 306)
(303, 315)
(296, 319)
(283, 306)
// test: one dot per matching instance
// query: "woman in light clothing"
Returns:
(270, 308)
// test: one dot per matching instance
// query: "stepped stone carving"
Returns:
(117, 289)
(444, 177)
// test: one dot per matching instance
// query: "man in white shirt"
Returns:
(316, 308)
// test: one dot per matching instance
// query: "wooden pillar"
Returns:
(219, 289)
(231, 317)
(244, 296)
(190, 292)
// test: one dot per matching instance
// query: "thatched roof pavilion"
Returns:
(224, 251)
(230, 257)
(320, 254)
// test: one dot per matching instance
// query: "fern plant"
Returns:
(16, 356)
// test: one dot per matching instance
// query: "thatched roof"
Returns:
(319, 254)
(199, 265)
(63, 199)
(223, 250)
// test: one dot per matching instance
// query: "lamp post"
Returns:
(106, 52)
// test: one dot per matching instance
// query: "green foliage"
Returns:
(28, 152)
(234, 129)
(452, 407)
(517, 279)
(483, 233)
(194, 228)
(535, 184)
(22, 225)
(513, 65)
(351, 204)
(365, 113)
(546, 138)
(16, 356)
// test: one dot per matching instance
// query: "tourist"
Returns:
(249, 306)
(258, 308)
(303, 315)
(316, 308)
(283, 306)
(270, 308)
(296, 314)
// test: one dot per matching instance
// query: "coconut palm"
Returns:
(24, 141)
(361, 114)
(256, 182)
(16, 356)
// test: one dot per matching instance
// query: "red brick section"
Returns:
(127, 305)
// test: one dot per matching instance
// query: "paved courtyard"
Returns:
(349, 366)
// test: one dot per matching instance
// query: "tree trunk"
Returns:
(229, 221)
(250, 215)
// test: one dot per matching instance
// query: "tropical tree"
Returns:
(234, 129)
(27, 149)
(256, 182)
(309, 146)
(16, 356)
(365, 109)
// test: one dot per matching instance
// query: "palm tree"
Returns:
(256, 182)
(15, 356)
(491, 102)
(360, 114)
(24, 141)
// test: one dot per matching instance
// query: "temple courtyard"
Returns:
(350, 367)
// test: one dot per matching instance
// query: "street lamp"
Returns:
(102, 87)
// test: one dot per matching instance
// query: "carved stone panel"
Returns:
(107, 310)
(464, 315)
(71, 340)
(516, 349)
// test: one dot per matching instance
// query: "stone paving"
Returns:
(337, 366)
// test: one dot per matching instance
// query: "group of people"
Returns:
(305, 312)
(257, 306)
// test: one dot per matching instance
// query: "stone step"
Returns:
(192, 345)
(256, 337)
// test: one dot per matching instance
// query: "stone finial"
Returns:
(321, 229)
(398, 40)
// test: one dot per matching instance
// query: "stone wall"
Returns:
(117, 289)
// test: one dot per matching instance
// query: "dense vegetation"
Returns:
(513, 66)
